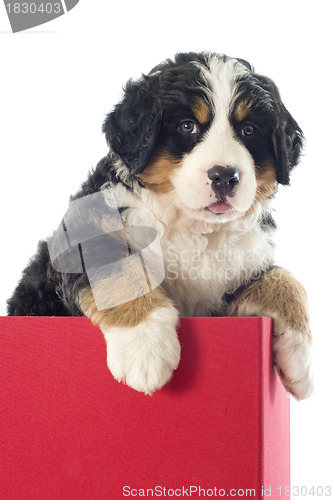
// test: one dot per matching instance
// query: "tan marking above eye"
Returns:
(242, 110)
(201, 110)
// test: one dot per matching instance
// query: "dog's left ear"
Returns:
(288, 137)
(288, 143)
(132, 128)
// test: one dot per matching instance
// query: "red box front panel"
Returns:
(70, 431)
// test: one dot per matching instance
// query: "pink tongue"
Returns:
(219, 208)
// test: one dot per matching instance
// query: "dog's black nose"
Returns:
(224, 180)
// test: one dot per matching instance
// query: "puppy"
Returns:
(176, 220)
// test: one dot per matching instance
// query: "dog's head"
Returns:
(210, 130)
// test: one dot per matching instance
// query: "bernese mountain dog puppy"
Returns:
(176, 221)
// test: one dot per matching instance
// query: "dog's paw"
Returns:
(292, 358)
(145, 356)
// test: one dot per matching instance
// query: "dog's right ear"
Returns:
(133, 127)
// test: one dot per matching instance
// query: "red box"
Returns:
(70, 431)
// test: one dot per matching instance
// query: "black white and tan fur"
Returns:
(198, 148)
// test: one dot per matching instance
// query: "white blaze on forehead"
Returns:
(220, 77)
(219, 146)
(220, 137)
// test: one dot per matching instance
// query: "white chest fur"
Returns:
(201, 268)
(203, 261)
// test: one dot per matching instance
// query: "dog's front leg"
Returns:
(279, 295)
(143, 349)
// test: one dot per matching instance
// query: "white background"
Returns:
(60, 79)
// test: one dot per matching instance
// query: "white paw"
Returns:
(145, 356)
(292, 357)
(291, 352)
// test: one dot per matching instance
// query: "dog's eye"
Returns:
(188, 127)
(248, 130)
